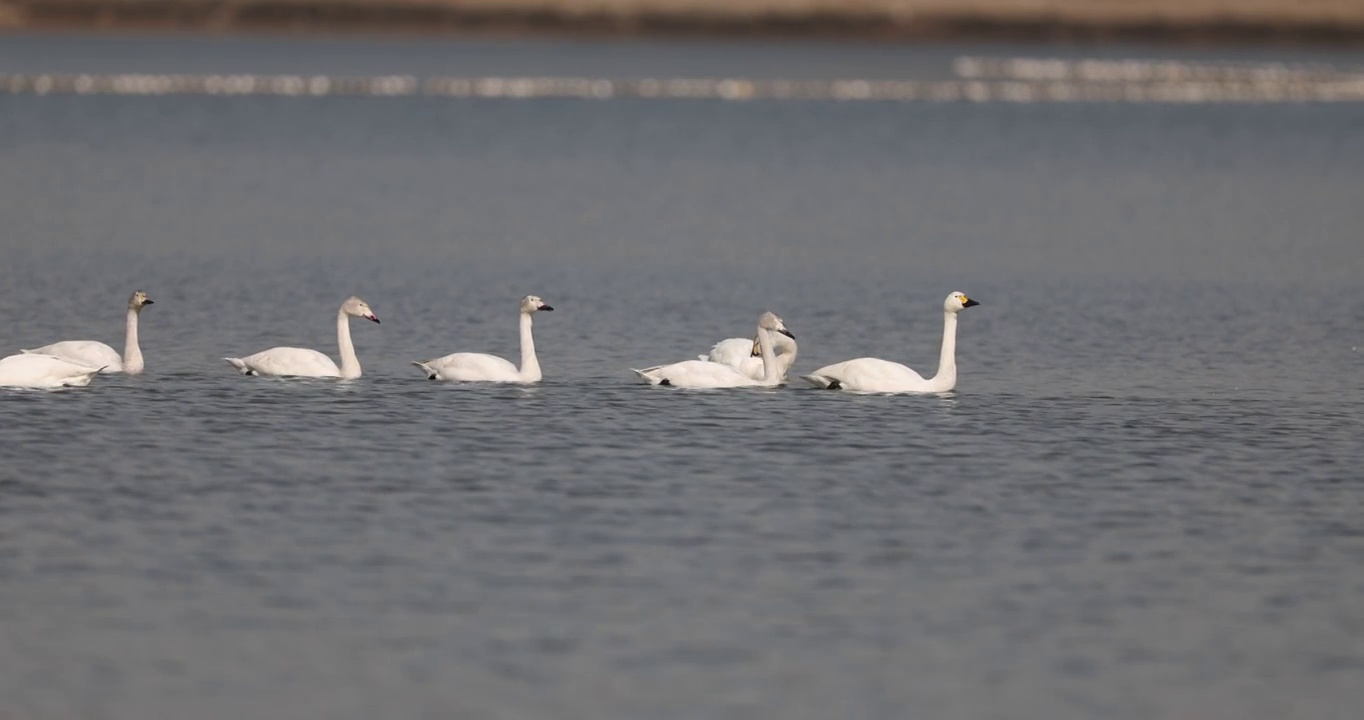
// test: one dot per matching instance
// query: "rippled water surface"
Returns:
(1143, 500)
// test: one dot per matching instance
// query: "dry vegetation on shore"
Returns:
(1301, 20)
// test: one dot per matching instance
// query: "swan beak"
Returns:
(969, 303)
(787, 333)
(375, 318)
(148, 302)
(546, 308)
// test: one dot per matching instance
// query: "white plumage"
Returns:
(481, 367)
(302, 362)
(875, 375)
(93, 353)
(743, 355)
(705, 374)
(28, 370)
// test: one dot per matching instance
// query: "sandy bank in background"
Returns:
(1155, 20)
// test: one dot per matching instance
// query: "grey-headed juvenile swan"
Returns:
(92, 353)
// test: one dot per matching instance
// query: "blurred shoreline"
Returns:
(1335, 22)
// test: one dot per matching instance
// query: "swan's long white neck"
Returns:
(787, 358)
(946, 379)
(132, 354)
(771, 373)
(785, 350)
(350, 364)
(530, 367)
(781, 344)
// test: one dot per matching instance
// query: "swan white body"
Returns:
(706, 374)
(92, 353)
(303, 362)
(481, 367)
(28, 370)
(874, 375)
(744, 355)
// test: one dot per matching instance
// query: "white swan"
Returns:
(872, 375)
(28, 370)
(302, 362)
(705, 374)
(745, 355)
(96, 354)
(479, 367)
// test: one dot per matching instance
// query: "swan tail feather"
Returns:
(649, 378)
(430, 374)
(703, 358)
(819, 381)
(82, 379)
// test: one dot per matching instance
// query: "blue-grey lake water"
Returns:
(1145, 498)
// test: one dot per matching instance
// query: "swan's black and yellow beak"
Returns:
(787, 333)
(546, 308)
(968, 302)
(148, 301)
(373, 318)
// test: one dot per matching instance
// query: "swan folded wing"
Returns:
(867, 375)
(695, 374)
(738, 354)
(43, 371)
(753, 366)
(472, 367)
(288, 362)
(731, 352)
(90, 353)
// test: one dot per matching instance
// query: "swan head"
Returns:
(957, 301)
(770, 321)
(355, 307)
(138, 299)
(532, 303)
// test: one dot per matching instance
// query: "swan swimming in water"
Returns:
(92, 353)
(302, 362)
(705, 374)
(29, 370)
(481, 367)
(873, 375)
(745, 355)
